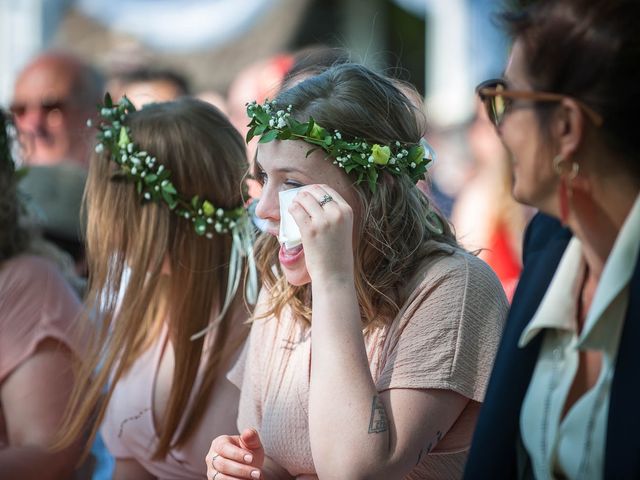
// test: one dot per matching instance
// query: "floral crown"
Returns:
(153, 180)
(153, 184)
(355, 156)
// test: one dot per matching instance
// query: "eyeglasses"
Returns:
(19, 109)
(498, 100)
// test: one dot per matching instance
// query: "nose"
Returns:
(268, 207)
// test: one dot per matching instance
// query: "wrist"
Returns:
(332, 280)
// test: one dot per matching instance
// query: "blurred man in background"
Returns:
(54, 96)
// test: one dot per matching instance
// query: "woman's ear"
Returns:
(568, 128)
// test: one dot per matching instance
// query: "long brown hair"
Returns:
(395, 238)
(206, 157)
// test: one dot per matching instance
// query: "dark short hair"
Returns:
(589, 50)
(157, 74)
(313, 60)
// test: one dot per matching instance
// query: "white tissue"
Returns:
(289, 231)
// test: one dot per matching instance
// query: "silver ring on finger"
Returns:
(214, 477)
(325, 199)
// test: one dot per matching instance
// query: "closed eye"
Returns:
(293, 184)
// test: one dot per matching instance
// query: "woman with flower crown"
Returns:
(164, 204)
(373, 339)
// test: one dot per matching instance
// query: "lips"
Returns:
(289, 256)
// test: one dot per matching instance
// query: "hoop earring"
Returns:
(559, 166)
(565, 192)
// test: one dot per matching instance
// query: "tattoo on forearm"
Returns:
(430, 446)
(378, 422)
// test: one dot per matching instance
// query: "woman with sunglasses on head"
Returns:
(562, 401)
(374, 331)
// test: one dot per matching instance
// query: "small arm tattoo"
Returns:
(378, 422)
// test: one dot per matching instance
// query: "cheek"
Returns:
(56, 120)
(533, 176)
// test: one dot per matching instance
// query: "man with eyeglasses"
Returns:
(54, 96)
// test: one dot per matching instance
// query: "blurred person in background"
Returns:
(145, 85)
(214, 98)
(259, 80)
(40, 340)
(54, 96)
(563, 398)
(486, 216)
(312, 60)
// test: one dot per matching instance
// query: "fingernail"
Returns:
(255, 474)
(248, 458)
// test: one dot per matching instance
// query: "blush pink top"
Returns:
(130, 430)
(445, 337)
(35, 303)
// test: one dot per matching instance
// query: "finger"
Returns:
(236, 453)
(320, 189)
(219, 444)
(215, 475)
(225, 446)
(299, 214)
(310, 202)
(250, 439)
(232, 469)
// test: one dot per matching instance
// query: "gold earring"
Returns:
(565, 192)
(560, 165)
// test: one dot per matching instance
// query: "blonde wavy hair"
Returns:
(395, 238)
(206, 157)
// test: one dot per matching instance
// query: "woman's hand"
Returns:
(325, 220)
(235, 456)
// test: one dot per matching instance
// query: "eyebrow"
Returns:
(280, 170)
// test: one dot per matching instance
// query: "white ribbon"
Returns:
(242, 248)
